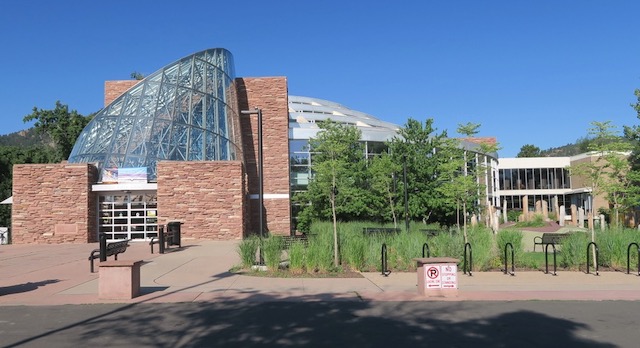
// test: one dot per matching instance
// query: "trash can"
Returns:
(173, 233)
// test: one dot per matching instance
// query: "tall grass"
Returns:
(247, 250)
(272, 252)
(361, 252)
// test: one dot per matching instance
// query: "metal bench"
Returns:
(549, 238)
(111, 249)
(298, 238)
(380, 230)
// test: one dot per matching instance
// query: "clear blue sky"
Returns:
(530, 72)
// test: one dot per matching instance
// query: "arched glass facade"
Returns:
(185, 111)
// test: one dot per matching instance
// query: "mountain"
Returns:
(25, 138)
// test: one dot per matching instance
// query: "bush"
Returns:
(515, 238)
(297, 254)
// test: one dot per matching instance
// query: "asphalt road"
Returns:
(333, 323)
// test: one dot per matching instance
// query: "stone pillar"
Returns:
(561, 216)
(603, 223)
(556, 208)
(574, 215)
(538, 208)
(505, 216)
(525, 208)
(581, 217)
(545, 210)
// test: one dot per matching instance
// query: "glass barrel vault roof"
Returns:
(182, 112)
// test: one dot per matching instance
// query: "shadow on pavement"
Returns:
(303, 322)
(26, 287)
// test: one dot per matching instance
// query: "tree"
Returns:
(62, 125)
(337, 163)
(384, 174)
(417, 147)
(529, 150)
(605, 167)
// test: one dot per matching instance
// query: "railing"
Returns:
(383, 256)
(513, 261)
(629, 256)
(546, 259)
(425, 247)
(597, 252)
(464, 265)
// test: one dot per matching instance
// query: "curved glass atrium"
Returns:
(182, 112)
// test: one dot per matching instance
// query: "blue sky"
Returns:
(530, 72)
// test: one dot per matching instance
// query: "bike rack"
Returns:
(464, 267)
(546, 259)
(513, 261)
(425, 247)
(629, 256)
(383, 256)
(597, 252)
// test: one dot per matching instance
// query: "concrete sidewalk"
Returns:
(199, 272)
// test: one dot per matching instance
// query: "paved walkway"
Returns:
(199, 272)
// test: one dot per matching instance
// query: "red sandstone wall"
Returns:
(271, 95)
(114, 89)
(53, 203)
(207, 196)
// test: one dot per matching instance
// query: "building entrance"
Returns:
(128, 215)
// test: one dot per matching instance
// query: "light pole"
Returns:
(258, 111)
(406, 195)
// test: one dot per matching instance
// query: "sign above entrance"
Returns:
(124, 175)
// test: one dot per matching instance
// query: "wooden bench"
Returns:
(549, 238)
(380, 230)
(113, 249)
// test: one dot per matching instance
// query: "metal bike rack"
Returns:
(425, 247)
(513, 260)
(597, 257)
(464, 267)
(383, 256)
(629, 256)
(546, 259)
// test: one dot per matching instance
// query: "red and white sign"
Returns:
(441, 276)
(449, 276)
(432, 277)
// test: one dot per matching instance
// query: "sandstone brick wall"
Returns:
(53, 203)
(271, 95)
(207, 196)
(114, 89)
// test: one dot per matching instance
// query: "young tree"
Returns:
(336, 164)
(606, 166)
(384, 175)
(62, 125)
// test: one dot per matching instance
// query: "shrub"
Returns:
(297, 254)
(515, 238)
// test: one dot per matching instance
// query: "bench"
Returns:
(430, 232)
(380, 230)
(299, 238)
(112, 249)
(167, 238)
(549, 238)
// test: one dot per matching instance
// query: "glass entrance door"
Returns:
(128, 215)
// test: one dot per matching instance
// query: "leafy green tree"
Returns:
(335, 188)
(384, 175)
(417, 147)
(62, 125)
(529, 150)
